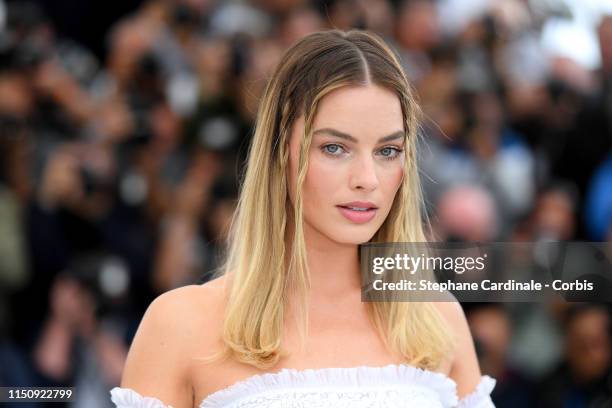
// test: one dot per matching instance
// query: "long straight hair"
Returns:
(266, 268)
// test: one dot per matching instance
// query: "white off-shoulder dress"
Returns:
(391, 386)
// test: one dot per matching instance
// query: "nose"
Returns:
(363, 174)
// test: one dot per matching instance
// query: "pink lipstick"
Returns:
(358, 211)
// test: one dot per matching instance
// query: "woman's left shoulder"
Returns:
(465, 370)
(453, 312)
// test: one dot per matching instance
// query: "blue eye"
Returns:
(332, 152)
(394, 152)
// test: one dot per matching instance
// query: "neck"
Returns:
(333, 267)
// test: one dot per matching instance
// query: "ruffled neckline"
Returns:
(334, 377)
(331, 378)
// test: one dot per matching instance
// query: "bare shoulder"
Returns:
(186, 298)
(465, 370)
(191, 313)
(453, 313)
(158, 362)
(189, 308)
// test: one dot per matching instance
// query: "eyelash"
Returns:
(397, 150)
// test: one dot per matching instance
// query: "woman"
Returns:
(331, 166)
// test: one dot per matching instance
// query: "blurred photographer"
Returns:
(83, 340)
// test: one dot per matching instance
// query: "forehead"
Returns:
(364, 109)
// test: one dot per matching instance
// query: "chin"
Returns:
(343, 234)
(354, 238)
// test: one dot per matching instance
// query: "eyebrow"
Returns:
(333, 132)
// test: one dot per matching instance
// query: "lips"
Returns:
(358, 212)
(367, 205)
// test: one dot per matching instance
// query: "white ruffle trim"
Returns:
(128, 398)
(480, 397)
(329, 378)
(332, 378)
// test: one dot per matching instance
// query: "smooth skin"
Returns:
(185, 323)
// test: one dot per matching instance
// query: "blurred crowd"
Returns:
(119, 170)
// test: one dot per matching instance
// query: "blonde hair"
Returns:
(265, 267)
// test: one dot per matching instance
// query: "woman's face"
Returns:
(356, 155)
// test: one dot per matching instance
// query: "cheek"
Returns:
(323, 180)
(392, 179)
